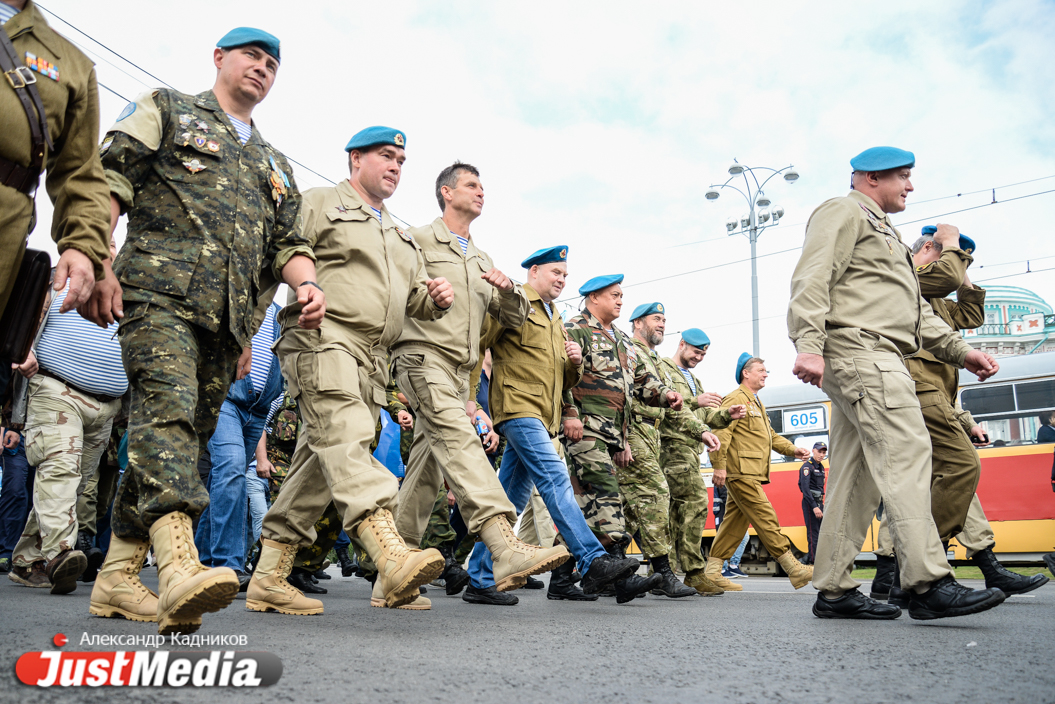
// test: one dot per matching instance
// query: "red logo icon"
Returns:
(60, 640)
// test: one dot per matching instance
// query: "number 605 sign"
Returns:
(805, 419)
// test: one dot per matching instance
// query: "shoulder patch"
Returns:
(127, 112)
(141, 120)
(806, 472)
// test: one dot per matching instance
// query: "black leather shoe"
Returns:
(947, 598)
(884, 578)
(63, 569)
(302, 581)
(607, 569)
(636, 587)
(670, 586)
(92, 553)
(533, 583)
(996, 577)
(320, 574)
(454, 576)
(897, 597)
(562, 588)
(490, 596)
(1049, 560)
(243, 580)
(854, 604)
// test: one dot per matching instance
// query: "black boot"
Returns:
(301, 579)
(884, 578)
(1006, 581)
(454, 576)
(853, 604)
(897, 597)
(606, 569)
(489, 596)
(1049, 560)
(94, 555)
(533, 583)
(347, 564)
(671, 586)
(562, 588)
(633, 586)
(320, 574)
(947, 598)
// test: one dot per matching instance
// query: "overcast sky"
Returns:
(601, 125)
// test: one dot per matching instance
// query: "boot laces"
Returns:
(390, 540)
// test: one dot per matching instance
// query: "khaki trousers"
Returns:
(66, 436)
(339, 401)
(536, 525)
(880, 449)
(446, 447)
(746, 503)
(955, 467)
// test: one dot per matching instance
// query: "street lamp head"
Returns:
(711, 194)
(735, 169)
(762, 200)
(763, 215)
(731, 224)
(778, 212)
(791, 175)
(745, 220)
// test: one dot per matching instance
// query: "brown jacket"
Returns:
(747, 442)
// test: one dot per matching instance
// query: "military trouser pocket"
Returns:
(846, 387)
(327, 372)
(899, 391)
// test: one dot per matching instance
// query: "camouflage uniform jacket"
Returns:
(682, 421)
(211, 222)
(681, 433)
(937, 280)
(614, 374)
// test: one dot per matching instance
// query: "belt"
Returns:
(643, 420)
(18, 177)
(99, 397)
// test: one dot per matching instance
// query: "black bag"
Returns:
(22, 315)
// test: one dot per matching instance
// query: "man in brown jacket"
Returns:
(742, 464)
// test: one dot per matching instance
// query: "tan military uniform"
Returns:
(744, 455)
(855, 299)
(374, 278)
(432, 362)
(74, 180)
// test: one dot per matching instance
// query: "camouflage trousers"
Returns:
(99, 492)
(327, 530)
(688, 504)
(646, 498)
(179, 375)
(438, 531)
(596, 489)
(66, 435)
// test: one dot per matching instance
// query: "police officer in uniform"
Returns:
(59, 135)
(811, 484)
(212, 211)
(853, 257)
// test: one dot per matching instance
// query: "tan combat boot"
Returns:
(799, 574)
(268, 589)
(703, 585)
(515, 560)
(377, 600)
(187, 588)
(400, 570)
(713, 573)
(117, 590)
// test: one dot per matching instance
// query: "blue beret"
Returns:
(547, 255)
(242, 36)
(372, 136)
(599, 282)
(646, 309)
(740, 366)
(695, 337)
(966, 243)
(882, 158)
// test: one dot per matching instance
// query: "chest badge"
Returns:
(42, 66)
(213, 146)
(194, 166)
(184, 120)
(199, 142)
(202, 125)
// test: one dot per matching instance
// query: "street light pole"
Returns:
(760, 212)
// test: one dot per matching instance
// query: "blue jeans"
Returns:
(257, 488)
(530, 459)
(734, 561)
(221, 529)
(16, 494)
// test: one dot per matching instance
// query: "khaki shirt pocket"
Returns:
(535, 333)
(520, 395)
(159, 263)
(899, 391)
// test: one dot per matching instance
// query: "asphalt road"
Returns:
(760, 645)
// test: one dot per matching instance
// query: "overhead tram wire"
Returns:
(792, 249)
(167, 85)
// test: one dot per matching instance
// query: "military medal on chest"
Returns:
(279, 182)
(194, 166)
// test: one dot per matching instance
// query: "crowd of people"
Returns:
(185, 419)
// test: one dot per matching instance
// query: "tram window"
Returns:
(776, 419)
(1036, 394)
(983, 401)
(1011, 430)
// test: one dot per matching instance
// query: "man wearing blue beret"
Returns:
(432, 361)
(855, 313)
(597, 427)
(338, 376)
(212, 229)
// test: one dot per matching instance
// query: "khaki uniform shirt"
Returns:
(74, 177)
(855, 272)
(531, 375)
(456, 337)
(373, 275)
(747, 442)
(681, 427)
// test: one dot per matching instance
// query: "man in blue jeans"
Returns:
(221, 535)
(16, 490)
(533, 369)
